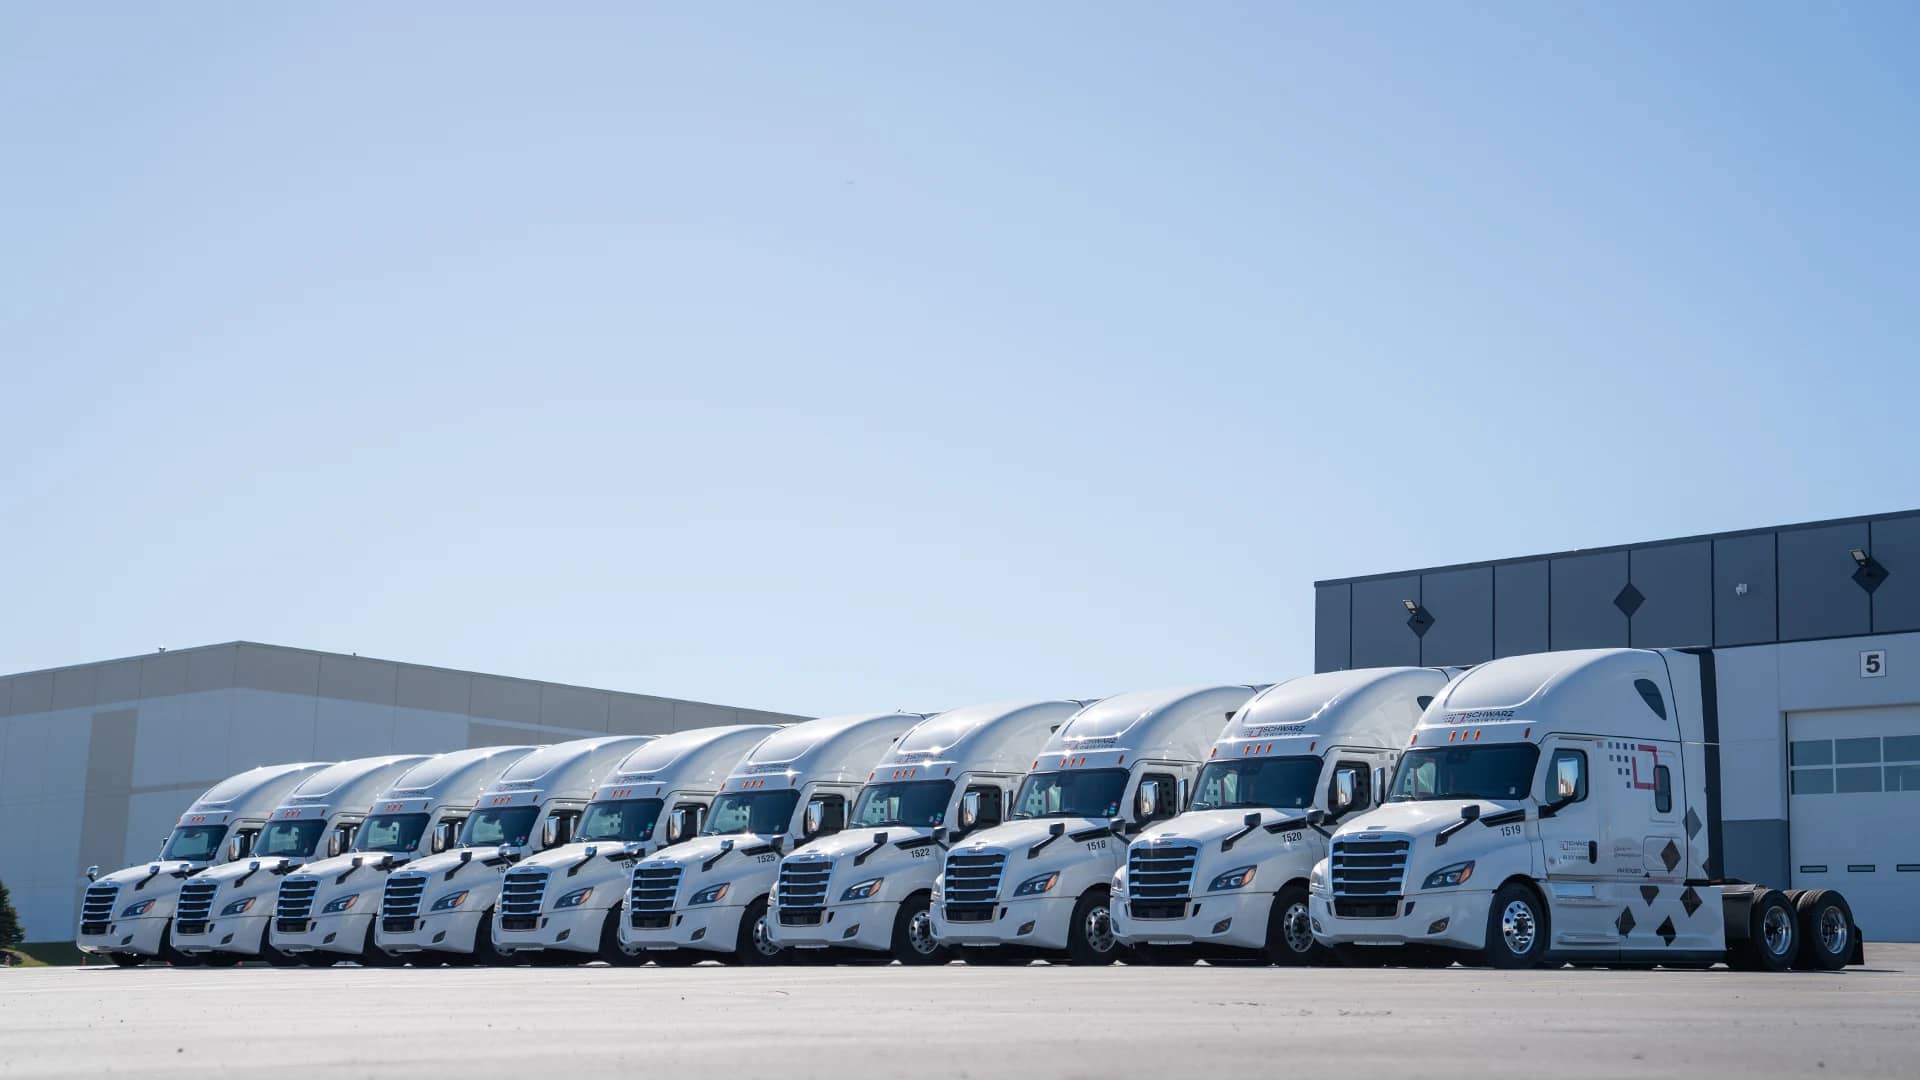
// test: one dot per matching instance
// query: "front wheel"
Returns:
(1090, 935)
(610, 948)
(1516, 928)
(126, 959)
(913, 941)
(753, 945)
(1290, 930)
(484, 950)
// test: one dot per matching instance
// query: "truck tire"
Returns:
(174, 956)
(1773, 935)
(485, 953)
(1517, 925)
(1827, 933)
(371, 954)
(126, 959)
(610, 948)
(1090, 932)
(276, 958)
(1290, 940)
(913, 941)
(752, 945)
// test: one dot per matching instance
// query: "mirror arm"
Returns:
(879, 841)
(1053, 833)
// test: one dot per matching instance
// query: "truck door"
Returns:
(1574, 845)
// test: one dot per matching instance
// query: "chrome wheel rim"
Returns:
(1297, 927)
(1776, 930)
(761, 941)
(920, 934)
(1833, 931)
(1100, 929)
(1517, 927)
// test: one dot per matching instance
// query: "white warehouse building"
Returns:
(97, 761)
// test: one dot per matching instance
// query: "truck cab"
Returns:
(222, 914)
(868, 887)
(1228, 878)
(127, 915)
(324, 912)
(1564, 807)
(444, 903)
(707, 898)
(1040, 883)
(565, 902)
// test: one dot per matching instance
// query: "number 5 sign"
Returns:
(1873, 665)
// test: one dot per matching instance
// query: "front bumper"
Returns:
(1464, 912)
(856, 924)
(228, 934)
(341, 933)
(1243, 912)
(441, 931)
(709, 927)
(1039, 923)
(140, 936)
(576, 929)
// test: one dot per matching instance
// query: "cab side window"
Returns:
(1566, 777)
(1662, 789)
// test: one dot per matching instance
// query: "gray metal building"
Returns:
(98, 760)
(1816, 628)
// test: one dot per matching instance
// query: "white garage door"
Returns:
(1855, 784)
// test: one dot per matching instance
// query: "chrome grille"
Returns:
(650, 897)
(1160, 879)
(400, 904)
(973, 885)
(803, 882)
(97, 909)
(520, 897)
(295, 905)
(190, 915)
(1368, 877)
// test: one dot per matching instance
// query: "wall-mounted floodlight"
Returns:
(1419, 619)
(1860, 558)
(1870, 573)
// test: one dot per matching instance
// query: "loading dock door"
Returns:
(1854, 798)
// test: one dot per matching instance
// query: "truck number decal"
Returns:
(1097, 845)
(1509, 830)
(766, 858)
(1290, 838)
(922, 852)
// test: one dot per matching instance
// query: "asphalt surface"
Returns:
(857, 1022)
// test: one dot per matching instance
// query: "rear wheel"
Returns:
(1516, 928)
(1827, 933)
(1090, 937)
(1773, 935)
(1290, 930)
(753, 945)
(913, 941)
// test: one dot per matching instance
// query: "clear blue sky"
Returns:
(830, 357)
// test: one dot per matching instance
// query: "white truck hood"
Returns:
(1417, 818)
(1017, 836)
(854, 840)
(698, 850)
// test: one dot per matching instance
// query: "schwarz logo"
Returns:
(755, 770)
(1480, 716)
(1265, 730)
(1100, 743)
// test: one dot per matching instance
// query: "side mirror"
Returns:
(443, 837)
(1186, 795)
(93, 873)
(1380, 785)
(550, 832)
(1343, 790)
(683, 824)
(815, 819)
(336, 843)
(1470, 812)
(235, 848)
(969, 810)
(1146, 800)
(1316, 817)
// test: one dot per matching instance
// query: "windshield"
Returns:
(623, 820)
(1093, 793)
(766, 812)
(194, 843)
(1284, 783)
(508, 825)
(1496, 771)
(294, 839)
(391, 832)
(921, 803)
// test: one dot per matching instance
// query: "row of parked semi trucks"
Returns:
(1561, 807)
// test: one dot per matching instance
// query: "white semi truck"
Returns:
(566, 901)
(1041, 883)
(706, 899)
(222, 914)
(1228, 877)
(1566, 807)
(126, 914)
(441, 907)
(325, 912)
(868, 887)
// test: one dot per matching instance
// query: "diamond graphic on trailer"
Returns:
(1624, 923)
(1670, 855)
(1690, 900)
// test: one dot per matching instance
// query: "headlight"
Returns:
(238, 907)
(450, 901)
(862, 890)
(140, 908)
(1238, 878)
(712, 894)
(1034, 886)
(1317, 877)
(339, 904)
(573, 899)
(1448, 876)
